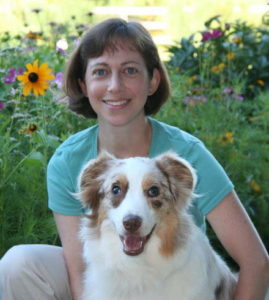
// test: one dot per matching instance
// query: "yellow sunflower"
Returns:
(36, 78)
(260, 82)
(33, 36)
(32, 128)
(218, 68)
(227, 138)
(230, 55)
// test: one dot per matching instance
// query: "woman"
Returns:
(116, 76)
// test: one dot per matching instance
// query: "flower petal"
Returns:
(35, 66)
(27, 90)
(30, 67)
(44, 67)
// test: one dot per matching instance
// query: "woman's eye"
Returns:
(99, 72)
(153, 191)
(131, 70)
(116, 190)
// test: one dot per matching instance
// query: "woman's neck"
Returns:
(133, 139)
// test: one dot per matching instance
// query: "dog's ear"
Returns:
(89, 181)
(180, 175)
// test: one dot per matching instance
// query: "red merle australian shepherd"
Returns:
(139, 241)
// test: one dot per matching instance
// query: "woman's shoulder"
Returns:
(79, 138)
(174, 132)
(169, 137)
(80, 144)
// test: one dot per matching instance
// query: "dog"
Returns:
(139, 242)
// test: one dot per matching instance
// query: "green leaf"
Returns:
(215, 18)
(36, 158)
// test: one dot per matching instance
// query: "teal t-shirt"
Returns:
(65, 165)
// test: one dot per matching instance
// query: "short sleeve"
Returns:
(60, 186)
(213, 183)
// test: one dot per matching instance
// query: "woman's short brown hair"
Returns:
(103, 36)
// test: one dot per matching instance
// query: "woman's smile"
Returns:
(117, 103)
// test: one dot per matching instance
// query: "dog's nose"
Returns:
(132, 223)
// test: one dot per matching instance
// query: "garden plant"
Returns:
(220, 80)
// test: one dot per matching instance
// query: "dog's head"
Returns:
(140, 196)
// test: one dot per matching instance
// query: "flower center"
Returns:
(33, 77)
(32, 127)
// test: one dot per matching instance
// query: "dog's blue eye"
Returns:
(153, 191)
(116, 190)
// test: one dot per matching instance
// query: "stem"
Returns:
(44, 126)
(16, 167)
(12, 119)
(43, 114)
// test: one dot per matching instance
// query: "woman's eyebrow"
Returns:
(104, 64)
(130, 62)
(98, 64)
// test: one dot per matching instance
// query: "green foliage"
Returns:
(31, 128)
(224, 55)
(214, 107)
(220, 83)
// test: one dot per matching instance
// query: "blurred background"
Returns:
(168, 20)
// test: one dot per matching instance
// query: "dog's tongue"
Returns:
(133, 245)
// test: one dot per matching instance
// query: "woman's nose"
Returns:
(115, 82)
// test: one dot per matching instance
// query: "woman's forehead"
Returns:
(120, 49)
(120, 44)
(121, 56)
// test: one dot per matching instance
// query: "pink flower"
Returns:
(228, 91)
(61, 51)
(238, 97)
(2, 105)
(76, 43)
(192, 100)
(59, 80)
(206, 36)
(12, 75)
(215, 34)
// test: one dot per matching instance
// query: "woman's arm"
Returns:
(68, 227)
(236, 232)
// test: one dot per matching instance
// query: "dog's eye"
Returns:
(116, 190)
(153, 191)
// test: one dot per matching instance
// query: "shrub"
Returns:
(224, 55)
(220, 80)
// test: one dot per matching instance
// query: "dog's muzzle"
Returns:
(133, 242)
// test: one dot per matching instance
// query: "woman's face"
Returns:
(117, 84)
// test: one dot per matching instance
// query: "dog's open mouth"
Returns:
(133, 244)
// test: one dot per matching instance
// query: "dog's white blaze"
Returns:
(134, 201)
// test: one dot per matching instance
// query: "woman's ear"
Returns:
(154, 82)
(83, 87)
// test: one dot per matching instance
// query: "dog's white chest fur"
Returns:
(139, 242)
